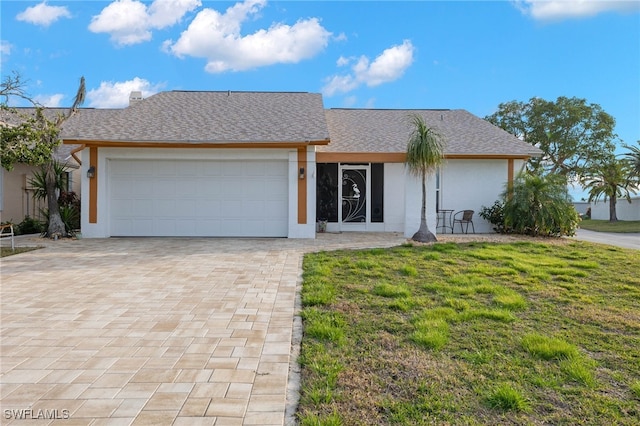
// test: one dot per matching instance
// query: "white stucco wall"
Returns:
(101, 228)
(394, 199)
(624, 209)
(472, 184)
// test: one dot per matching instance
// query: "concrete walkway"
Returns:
(155, 331)
(631, 241)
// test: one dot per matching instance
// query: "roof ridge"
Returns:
(236, 91)
(393, 109)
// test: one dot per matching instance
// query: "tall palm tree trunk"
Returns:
(613, 216)
(424, 235)
(56, 225)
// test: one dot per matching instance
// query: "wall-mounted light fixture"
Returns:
(301, 172)
(91, 173)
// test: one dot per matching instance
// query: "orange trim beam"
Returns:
(510, 173)
(400, 157)
(252, 145)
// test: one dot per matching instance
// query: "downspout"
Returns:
(73, 153)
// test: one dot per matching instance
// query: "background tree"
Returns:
(571, 133)
(610, 179)
(425, 152)
(34, 139)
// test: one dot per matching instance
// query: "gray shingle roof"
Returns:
(387, 131)
(207, 117)
(243, 117)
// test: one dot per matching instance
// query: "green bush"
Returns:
(534, 205)
(29, 226)
(495, 216)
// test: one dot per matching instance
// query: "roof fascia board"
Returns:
(400, 157)
(129, 144)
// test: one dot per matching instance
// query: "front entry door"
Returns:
(354, 195)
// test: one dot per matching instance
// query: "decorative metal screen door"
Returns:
(354, 193)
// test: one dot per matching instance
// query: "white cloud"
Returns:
(217, 38)
(342, 61)
(131, 21)
(50, 101)
(388, 66)
(5, 47)
(116, 94)
(547, 10)
(43, 14)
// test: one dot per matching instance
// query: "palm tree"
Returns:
(425, 152)
(633, 157)
(56, 224)
(539, 205)
(611, 180)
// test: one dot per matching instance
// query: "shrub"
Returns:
(29, 226)
(534, 205)
(540, 206)
(495, 216)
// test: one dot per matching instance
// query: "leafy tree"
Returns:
(571, 133)
(539, 205)
(610, 179)
(34, 139)
(425, 152)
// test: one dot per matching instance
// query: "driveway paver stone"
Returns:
(155, 330)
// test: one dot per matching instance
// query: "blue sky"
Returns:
(471, 55)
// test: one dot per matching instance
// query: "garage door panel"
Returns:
(198, 198)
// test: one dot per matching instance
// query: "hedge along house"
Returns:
(270, 164)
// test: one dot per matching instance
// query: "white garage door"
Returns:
(198, 198)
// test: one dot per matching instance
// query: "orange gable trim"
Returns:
(253, 145)
(397, 157)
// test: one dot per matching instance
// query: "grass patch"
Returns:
(6, 251)
(579, 370)
(391, 290)
(548, 347)
(505, 397)
(635, 389)
(621, 226)
(323, 325)
(431, 334)
(481, 333)
(510, 300)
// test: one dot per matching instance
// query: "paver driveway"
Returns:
(154, 331)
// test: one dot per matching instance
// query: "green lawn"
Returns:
(606, 226)
(6, 251)
(472, 334)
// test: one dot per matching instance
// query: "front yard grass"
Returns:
(7, 251)
(622, 226)
(471, 334)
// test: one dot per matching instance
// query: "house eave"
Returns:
(194, 144)
(400, 157)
